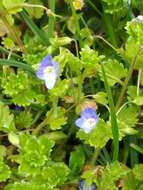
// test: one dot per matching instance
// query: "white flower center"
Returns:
(91, 122)
(48, 70)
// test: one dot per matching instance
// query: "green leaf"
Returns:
(77, 159)
(13, 5)
(127, 119)
(114, 70)
(8, 43)
(2, 152)
(57, 42)
(60, 89)
(90, 60)
(23, 119)
(6, 119)
(138, 172)
(34, 153)
(98, 137)
(58, 120)
(4, 172)
(101, 98)
(132, 95)
(28, 186)
(13, 138)
(112, 173)
(35, 12)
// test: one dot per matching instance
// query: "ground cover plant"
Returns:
(71, 95)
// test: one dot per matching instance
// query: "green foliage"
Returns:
(23, 119)
(127, 119)
(13, 6)
(90, 60)
(34, 153)
(35, 12)
(111, 174)
(40, 138)
(98, 137)
(115, 71)
(4, 172)
(58, 119)
(133, 97)
(101, 98)
(77, 160)
(6, 119)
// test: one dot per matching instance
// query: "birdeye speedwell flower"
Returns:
(82, 186)
(88, 120)
(48, 71)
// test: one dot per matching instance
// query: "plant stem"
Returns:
(33, 27)
(51, 22)
(13, 33)
(16, 64)
(119, 101)
(138, 82)
(94, 7)
(95, 156)
(109, 27)
(133, 153)
(114, 123)
(76, 23)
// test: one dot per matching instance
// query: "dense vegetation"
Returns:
(71, 95)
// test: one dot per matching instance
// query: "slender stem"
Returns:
(119, 101)
(137, 148)
(14, 55)
(95, 156)
(134, 157)
(108, 43)
(76, 23)
(51, 22)
(16, 64)
(94, 7)
(34, 27)
(138, 82)
(12, 31)
(114, 123)
(109, 27)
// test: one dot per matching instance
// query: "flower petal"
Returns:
(88, 113)
(80, 122)
(50, 80)
(56, 67)
(47, 61)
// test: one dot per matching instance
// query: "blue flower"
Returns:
(48, 71)
(82, 186)
(88, 120)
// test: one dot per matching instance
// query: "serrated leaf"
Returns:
(111, 174)
(58, 120)
(60, 89)
(6, 119)
(132, 95)
(4, 172)
(2, 152)
(128, 115)
(114, 70)
(57, 42)
(101, 98)
(127, 119)
(138, 172)
(98, 137)
(35, 12)
(12, 5)
(23, 119)
(34, 153)
(13, 138)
